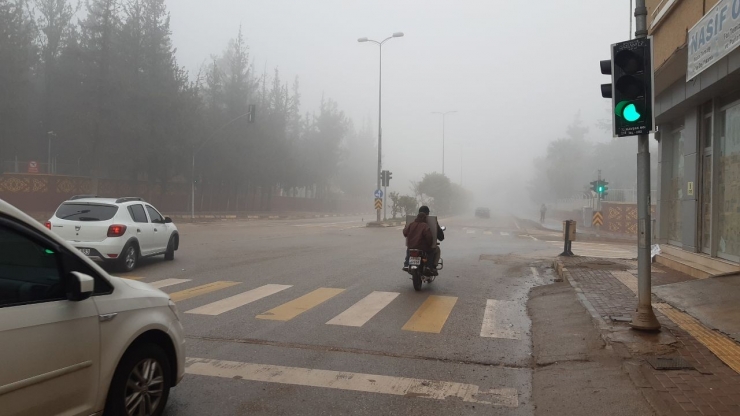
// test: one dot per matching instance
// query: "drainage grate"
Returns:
(669, 363)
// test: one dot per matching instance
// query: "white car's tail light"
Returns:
(116, 230)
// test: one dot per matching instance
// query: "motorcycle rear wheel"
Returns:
(416, 280)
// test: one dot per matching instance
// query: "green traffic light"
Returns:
(601, 189)
(627, 111)
(630, 113)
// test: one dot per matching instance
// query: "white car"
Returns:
(75, 340)
(117, 230)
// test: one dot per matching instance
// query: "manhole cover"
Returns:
(669, 363)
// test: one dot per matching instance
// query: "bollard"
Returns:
(569, 235)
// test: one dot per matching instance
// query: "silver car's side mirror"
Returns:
(79, 286)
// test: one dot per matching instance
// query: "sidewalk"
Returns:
(708, 379)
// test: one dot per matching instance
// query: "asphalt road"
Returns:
(315, 317)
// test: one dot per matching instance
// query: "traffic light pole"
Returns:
(644, 318)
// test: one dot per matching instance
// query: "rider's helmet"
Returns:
(424, 209)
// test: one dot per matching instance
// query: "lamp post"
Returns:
(197, 149)
(380, 102)
(444, 114)
(48, 158)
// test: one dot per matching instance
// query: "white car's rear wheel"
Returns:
(129, 258)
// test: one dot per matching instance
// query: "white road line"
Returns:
(471, 231)
(498, 320)
(362, 311)
(168, 282)
(359, 382)
(535, 273)
(233, 302)
(487, 233)
(504, 233)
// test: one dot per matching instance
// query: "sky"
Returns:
(516, 72)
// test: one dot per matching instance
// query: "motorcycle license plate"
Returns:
(415, 261)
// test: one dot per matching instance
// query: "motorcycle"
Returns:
(418, 269)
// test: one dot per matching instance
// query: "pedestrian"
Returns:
(543, 211)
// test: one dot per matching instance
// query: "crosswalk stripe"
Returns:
(233, 302)
(496, 318)
(361, 312)
(471, 231)
(358, 382)
(168, 282)
(431, 315)
(200, 290)
(295, 307)
(487, 233)
(504, 233)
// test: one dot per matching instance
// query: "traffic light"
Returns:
(388, 176)
(595, 186)
(382, 178)
(631, 90)
(604, 189)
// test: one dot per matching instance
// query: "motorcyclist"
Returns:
(419, 236)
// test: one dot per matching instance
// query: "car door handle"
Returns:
(107, 316)
(155, 230)
(138, 230)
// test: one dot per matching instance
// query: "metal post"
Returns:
(192, 189)
(48, 157)
(644, 317)
(443, 144)
(630, 36)
(385, 205)
(380, 115)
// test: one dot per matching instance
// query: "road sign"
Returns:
(378, 203)
(33, 167)
(378, 193)
(598, 219)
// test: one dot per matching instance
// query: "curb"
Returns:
(564, 274)
(375, 224)
(187, 219)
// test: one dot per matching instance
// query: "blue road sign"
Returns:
(378, 193)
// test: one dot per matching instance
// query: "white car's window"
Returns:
(86, 212)
(137, 213)
(154, 215)
(29, 272)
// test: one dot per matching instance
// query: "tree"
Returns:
(395, 206)
(408, 204)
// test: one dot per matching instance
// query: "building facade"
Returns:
(697, 110)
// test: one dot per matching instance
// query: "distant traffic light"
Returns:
(604, 189)
(595, 186)
(388, 176)
(631, 89)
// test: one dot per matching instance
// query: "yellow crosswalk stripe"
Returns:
(295, 307)
(431, 315)
(200, 290)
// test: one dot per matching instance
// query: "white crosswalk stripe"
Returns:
(499, 319)
(159, 284)
(233, 302)
(361, 312)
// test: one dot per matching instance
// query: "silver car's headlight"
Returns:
(174, 310)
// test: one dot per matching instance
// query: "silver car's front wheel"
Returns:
(144, 388)
(141, 384)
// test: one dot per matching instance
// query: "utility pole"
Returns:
(630, 36)
(380, 102)
(444, 114)
(644, 318)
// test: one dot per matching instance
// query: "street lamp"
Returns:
(443, 134)
(380, 101)
(48, 159)
(198, 149)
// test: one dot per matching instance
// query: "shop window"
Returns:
(728, 185)
(675, 188)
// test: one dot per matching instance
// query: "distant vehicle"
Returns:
(75, 340)
(116, 230)
(483, 213)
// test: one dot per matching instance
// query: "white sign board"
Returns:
(713, 37)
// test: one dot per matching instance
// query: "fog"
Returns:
(516, 74)
(133, 91)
